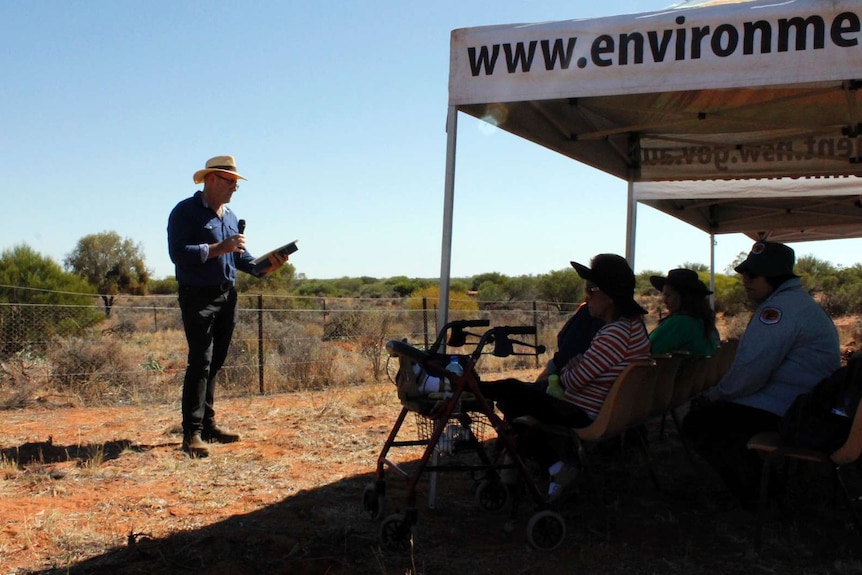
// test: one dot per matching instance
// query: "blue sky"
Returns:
(336, 114)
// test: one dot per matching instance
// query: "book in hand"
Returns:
(262, 265)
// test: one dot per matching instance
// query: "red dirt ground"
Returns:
(107, 490)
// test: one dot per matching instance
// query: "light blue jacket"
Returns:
(790, 344)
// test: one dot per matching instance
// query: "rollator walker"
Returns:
(453, 421)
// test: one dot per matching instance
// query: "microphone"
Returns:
(241, 226)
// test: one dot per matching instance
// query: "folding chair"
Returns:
(667, 365)
(629, 404)
(848, 455)
(690, 378)
(720, 365)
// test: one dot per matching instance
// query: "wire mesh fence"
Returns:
(135, 351)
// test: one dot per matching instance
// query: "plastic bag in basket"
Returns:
(414, 384)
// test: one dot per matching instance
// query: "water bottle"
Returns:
(455, 367)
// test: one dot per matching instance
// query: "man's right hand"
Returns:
(233, 244)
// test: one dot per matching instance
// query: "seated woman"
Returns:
(573, 339)
(690, 325)
(584, 381)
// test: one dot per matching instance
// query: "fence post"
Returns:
(323, 306)
(260, 342)
(536, 334)
(425, 320)
(155, 319)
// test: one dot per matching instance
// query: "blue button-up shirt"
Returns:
(192, 226)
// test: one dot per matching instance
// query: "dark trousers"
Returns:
(209, 317)
(719, 432)
(516, 398)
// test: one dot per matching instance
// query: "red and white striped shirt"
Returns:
(587, 379)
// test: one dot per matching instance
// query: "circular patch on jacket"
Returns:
(770, 315)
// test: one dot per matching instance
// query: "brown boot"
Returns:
(215, 434)
(195, 446)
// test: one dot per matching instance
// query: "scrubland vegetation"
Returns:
(102, 331)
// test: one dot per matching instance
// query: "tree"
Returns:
(817, 275)
(491, 292)
(43, 300)
(740, 257)
(404, 286)
(730, 296)
(318, 288)
(110, 264)
(279, 281)
(373, 330)
(497, 278)
(522, 288)
(643, 285)
(563, 288)
(166, 286)
(695, 266)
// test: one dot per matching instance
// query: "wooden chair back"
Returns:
(851, 451)
(769, 443)
(666, 367)
(690, 378)
(629, 402)
(724, 357)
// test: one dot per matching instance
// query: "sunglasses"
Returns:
(231, 180)
(592, 289)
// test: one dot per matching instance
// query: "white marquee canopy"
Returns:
(734, 116)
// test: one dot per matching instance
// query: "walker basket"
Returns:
(456, 435)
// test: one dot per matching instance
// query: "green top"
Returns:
(681, 332)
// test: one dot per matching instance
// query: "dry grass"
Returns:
(107, 490)
(136, 360)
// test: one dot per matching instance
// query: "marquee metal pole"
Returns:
(448, 208)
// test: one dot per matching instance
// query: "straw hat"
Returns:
(223, 164)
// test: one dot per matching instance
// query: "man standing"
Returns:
(790, 344)
(207, 246)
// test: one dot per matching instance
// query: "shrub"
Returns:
(846, 299)
(98, 372)
(730, 296)
(459, 301)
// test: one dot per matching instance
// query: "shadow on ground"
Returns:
(686, 526)
(47, 453)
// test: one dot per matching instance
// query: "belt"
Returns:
(208, 290)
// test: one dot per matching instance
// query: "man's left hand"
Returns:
(276, 260)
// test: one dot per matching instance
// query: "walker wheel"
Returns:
(372, 502)
(396, 533)
(546, 530)
(492, 495)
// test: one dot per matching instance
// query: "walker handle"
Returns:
(403, 349)
(517, 329)
(462, 323)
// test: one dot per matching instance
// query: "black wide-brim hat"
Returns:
(769, 259)
(682, 280)
(613, 275)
